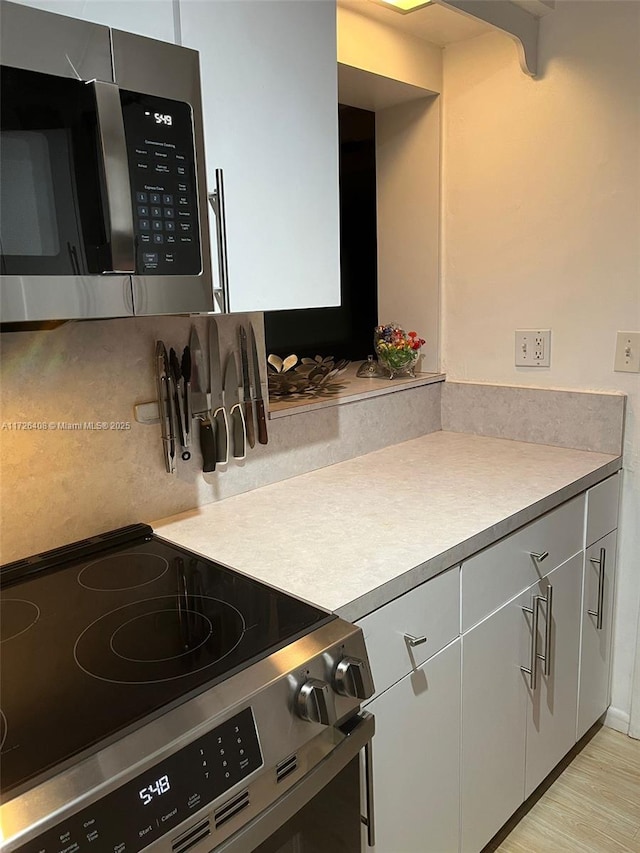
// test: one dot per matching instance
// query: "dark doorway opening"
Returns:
(345, 331)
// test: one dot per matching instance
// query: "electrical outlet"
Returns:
(627, 352)
(533, 347)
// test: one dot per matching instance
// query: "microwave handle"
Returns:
(116, 172)
(216, 200)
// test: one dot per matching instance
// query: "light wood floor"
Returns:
(591, 805)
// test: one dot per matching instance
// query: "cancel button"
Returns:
(169, 815)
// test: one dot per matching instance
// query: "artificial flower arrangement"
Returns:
(397, 350)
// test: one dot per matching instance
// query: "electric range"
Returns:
(144, 688)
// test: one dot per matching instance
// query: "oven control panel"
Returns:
(162, 170)
(147, 807)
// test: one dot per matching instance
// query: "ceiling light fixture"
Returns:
(404, 6)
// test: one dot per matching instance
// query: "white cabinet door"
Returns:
(551, 710)
(493, 721)
(595, 656)
(416, 757)
(152, 18)
(269, 85)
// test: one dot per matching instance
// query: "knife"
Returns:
(178, 402)
(163, 384)
(218, 412)
(237, 426)
(199, 402)
(185, 366)
(257, 385)
(246, 384)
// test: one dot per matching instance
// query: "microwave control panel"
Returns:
(162, 168)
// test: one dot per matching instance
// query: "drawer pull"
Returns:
(599, 613)
(532, 670)
(415, 641)
(546, 657)
(542, 555)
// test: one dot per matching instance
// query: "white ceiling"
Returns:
(435, 24)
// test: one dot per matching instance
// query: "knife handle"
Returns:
(221, 426)
(263, 438)
(248, 417)
(207, 445)
(238, 432)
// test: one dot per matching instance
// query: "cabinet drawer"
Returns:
(602, 509)
(500, 572)
(431, 610)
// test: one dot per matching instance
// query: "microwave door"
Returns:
(56, 221)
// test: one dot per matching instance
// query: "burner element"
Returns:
(16, 616)
(118, 572)
(170, 635)
(159, 639)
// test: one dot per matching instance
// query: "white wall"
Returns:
(542, 228)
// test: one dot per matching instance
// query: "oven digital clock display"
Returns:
(146, 808)
(155, 789)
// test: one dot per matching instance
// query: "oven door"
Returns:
(323, 812)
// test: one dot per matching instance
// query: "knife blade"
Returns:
(199, 403)
(263, 438)
(237, 427)
(163, 386)
(246, 384)
(185, 366)
(199, 376)
(218, 412)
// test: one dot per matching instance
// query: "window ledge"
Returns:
(355, 388)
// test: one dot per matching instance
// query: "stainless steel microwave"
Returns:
(103, 203)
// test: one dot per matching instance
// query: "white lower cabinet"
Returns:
(416, 759)
(551, 707)
(464, 731)
(597, 618)
(515, 731)
(493, 722)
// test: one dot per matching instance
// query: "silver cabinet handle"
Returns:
(415, 641)
(116, 175)
(546, 657)
(216, 200)
(539, 555)
(599, 613)
(532, 669)
(369, 819)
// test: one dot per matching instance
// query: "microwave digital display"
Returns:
(162, 168)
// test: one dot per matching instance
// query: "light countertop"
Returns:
(353, 536)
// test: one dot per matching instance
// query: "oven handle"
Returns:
(272, 818)
(113, 147)
(369, 819)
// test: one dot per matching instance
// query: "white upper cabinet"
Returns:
(151, 18)
(269, 86)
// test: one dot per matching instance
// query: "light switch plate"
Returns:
(627, 358)
(533, 348)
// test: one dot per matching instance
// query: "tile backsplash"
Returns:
(63, 484)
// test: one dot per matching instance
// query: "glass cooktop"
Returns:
(102, 634)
